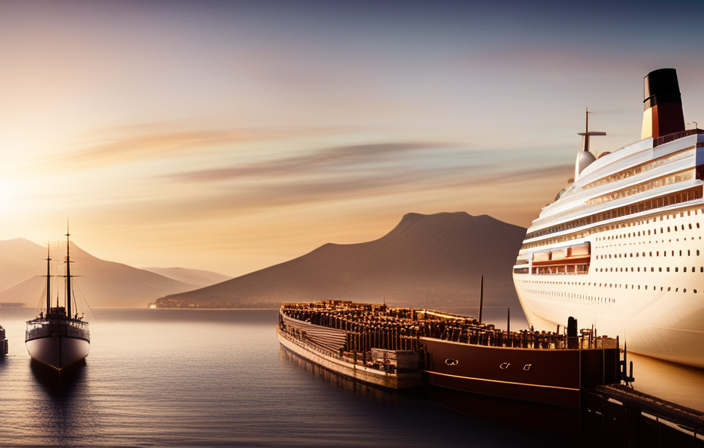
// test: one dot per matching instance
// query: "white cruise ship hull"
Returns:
(622, 246)
(58, 351)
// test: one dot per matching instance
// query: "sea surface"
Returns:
(218, 378)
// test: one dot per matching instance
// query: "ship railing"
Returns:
(364, 359)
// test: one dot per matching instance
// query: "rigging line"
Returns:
(85, 300)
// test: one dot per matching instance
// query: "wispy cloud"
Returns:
(324, 160)
(125, 144)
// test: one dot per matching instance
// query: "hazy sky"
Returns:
(230, 136)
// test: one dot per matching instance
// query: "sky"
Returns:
(234, 135)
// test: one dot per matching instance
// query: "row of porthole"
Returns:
(637, 234)
(655, 288)
(600, 229)
(575, 296)
(603, 246)
(652, 269)
(650, 254)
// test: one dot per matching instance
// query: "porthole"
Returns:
(684, 290)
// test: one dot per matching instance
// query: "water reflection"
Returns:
(59, 385)
(551, 426)
(600, 423)
(63, 408)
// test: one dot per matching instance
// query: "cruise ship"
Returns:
(58, 337)
(621, 246)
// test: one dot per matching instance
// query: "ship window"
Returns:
(652, 269)
(689, 253)
(668, 228)
(651, 254)
(697, 251)
(660, 269)
(680, 253)
(697, 225)
(690, 227)
(684, 269)
(669, 288)
(694, 291)
(683, 226)
(677, 289)
(668, 269)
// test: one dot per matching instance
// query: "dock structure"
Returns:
(622, 417)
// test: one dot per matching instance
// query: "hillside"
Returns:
(103, 283)
(440, 257)
(20, 259)
(196, 277)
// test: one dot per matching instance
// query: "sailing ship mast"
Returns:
(68, 273)
(48, 278)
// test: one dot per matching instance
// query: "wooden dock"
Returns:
(621, 417)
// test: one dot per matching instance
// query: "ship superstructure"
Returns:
(58, 337)
(621, 247)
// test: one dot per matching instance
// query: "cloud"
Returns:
(120, 145)
(327, 159)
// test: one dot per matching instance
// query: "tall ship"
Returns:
(621, 246)
(58, 336)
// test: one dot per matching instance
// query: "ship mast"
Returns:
(68, 273)
(48, 278)
(586, 134)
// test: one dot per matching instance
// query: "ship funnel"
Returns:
(662, 104)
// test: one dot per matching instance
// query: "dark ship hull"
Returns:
(3, 342)
(553, 376)
(57, 344)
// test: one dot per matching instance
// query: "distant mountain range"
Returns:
(103, 283)
(195, 277)
(439, 258)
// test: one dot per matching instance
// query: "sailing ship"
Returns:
(58, 337)
(621, 246)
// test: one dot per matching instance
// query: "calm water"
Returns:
(218, 378)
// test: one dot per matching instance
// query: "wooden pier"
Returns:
(618, 416)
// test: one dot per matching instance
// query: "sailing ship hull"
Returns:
(58, 352)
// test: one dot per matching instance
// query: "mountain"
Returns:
(20, 259)
(440, 257)
(103, 283)
(196, 277)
